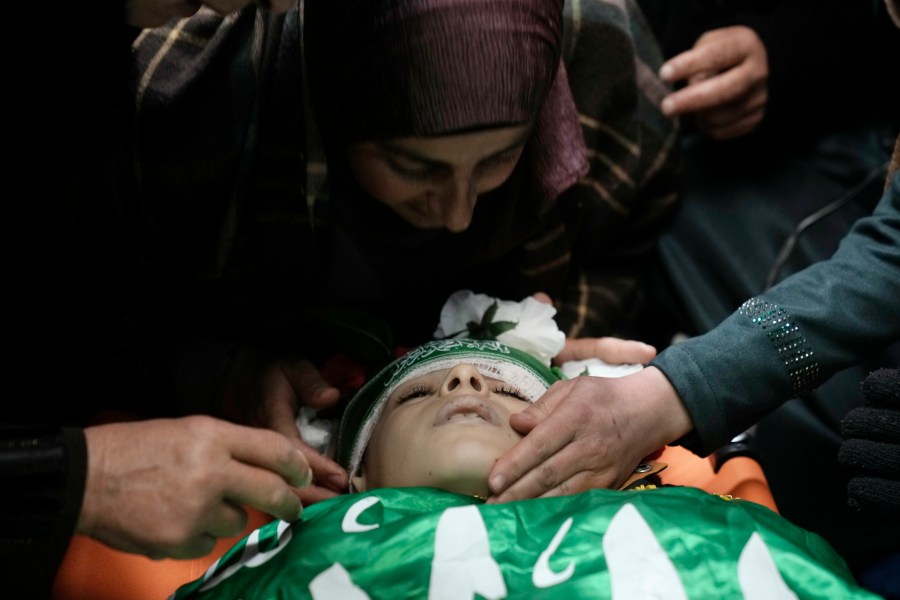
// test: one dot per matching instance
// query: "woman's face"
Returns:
(434, 182)
(444, 429)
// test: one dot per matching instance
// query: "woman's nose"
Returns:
(463, 378)
(458, 205)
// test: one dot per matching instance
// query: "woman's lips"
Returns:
(466, 409)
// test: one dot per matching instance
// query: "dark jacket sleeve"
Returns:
(792, 338)
(42, 474)
(64, 67)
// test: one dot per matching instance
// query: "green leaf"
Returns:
(487, 329)
(499, 327)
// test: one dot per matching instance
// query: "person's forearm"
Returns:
(789, 340)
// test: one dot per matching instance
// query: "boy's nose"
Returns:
(463, 378)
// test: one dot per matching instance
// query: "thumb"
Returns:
(308, 384)
(523, 422)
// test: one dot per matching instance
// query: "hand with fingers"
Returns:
(610, 350)
(155, 13)
(267, 391)
(588, 432)
(170, 487)
(727, 82)
(614, 351)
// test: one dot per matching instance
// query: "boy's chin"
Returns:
(464, 470)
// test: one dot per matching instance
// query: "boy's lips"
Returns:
(466, 408)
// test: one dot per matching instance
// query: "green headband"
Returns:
(490, 357)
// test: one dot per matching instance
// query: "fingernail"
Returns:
(308, 478)
(666, 71)
(667, 106)
(498, 483)
(299, 513)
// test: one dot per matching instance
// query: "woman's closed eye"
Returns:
(415, 170)
(500, 160)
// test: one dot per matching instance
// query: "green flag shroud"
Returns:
(673, 542)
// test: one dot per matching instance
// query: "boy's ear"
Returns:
(358, 483)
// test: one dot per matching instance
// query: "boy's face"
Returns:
(444, 429)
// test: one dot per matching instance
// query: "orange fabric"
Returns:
(93, 571)
(741, 477)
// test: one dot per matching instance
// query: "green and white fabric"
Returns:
(673, 543)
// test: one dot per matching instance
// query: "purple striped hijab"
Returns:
(392, 68)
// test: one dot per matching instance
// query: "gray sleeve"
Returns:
(789, 340)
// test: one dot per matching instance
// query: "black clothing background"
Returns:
(64, 66)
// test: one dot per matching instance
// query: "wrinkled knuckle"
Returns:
(548, 476)
(581, 412)
(285, 452)
(202, 425)
(195, 479)
(540, 446)
(598, 449)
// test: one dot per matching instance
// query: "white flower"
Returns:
(597, 368)
(527, 325)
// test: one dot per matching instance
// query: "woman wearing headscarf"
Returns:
(300, 172)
